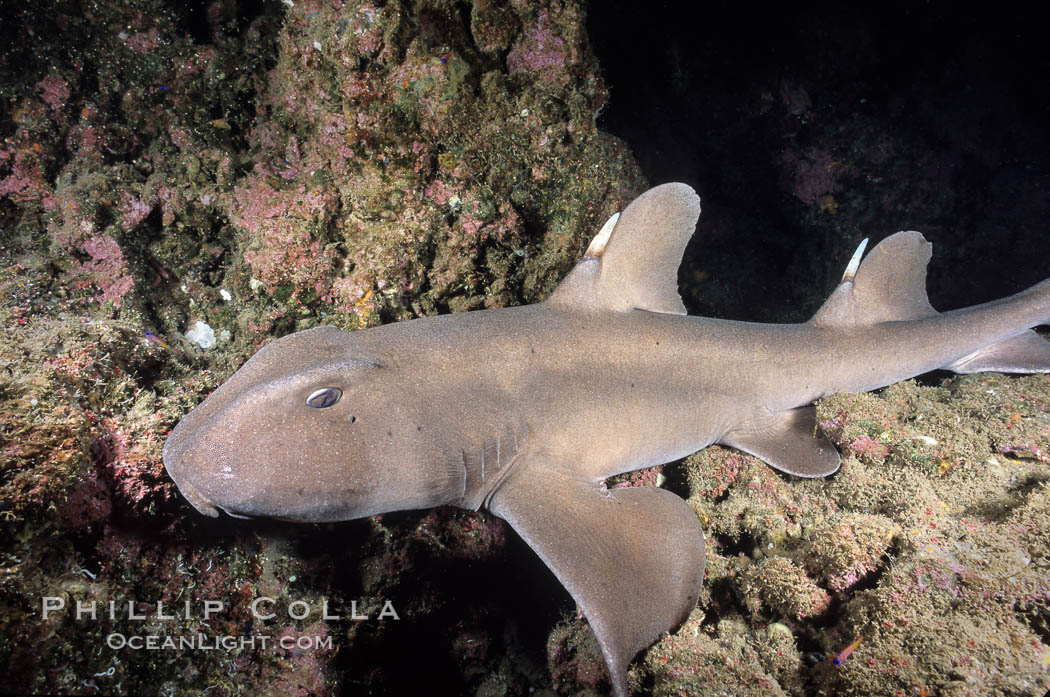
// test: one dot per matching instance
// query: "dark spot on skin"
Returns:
(632, 384)
(300, 492)
(419, 428)
(657, 343)
(353, 419)
(532, 350)
(389, 434)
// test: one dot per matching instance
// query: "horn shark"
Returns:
(525, 411)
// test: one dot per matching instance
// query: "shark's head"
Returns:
(307, 430)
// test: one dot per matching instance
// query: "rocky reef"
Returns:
(180, 183)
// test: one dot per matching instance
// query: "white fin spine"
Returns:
(854, 262)
(597, 246)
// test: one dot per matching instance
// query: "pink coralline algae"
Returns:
(282, 228)
(106, 269)
(137, 476)
(438, 192)
(143, 42)
(133, 211)
(25, 183)
(1029, 450)
(367, 31)
(540, 51)
(332, 162)
(54, 91)
(866, 448)
(647, 477)
(813, 175)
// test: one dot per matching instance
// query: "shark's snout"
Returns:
(198, 461)
(198, 485)
(178, 463)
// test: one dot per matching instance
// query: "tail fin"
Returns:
(890, 285)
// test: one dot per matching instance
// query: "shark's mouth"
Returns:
(198, 501)
(233, 514)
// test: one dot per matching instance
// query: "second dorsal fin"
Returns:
(889, 284)
(632, 263)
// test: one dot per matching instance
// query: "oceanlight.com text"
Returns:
(201, 642)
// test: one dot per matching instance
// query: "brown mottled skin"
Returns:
(525, 411)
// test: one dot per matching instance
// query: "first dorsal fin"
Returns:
(889, 284)
(632, 263)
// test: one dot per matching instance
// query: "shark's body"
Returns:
(525, 411)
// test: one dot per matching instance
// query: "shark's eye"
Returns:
(324, 397)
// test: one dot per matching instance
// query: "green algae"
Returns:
(930, 546)
(307, 165)
(403, 170)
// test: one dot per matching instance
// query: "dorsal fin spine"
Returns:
(887, 284)
(854, 263)
(638, 252)
(597, 246)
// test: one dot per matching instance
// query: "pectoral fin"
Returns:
(632, 558)
(788, 440)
